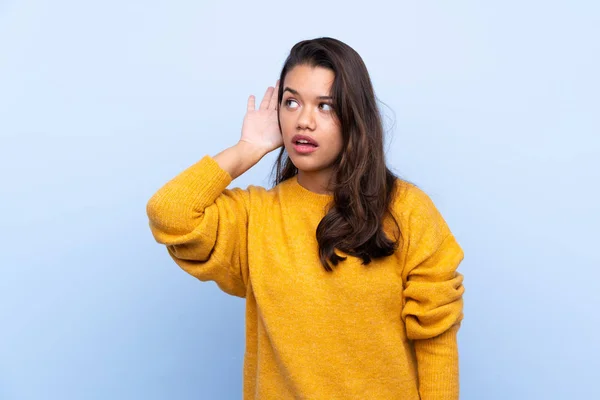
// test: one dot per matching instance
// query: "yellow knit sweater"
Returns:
(382, 331)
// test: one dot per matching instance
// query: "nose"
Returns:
(306, 119)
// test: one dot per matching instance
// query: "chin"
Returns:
(308, 165)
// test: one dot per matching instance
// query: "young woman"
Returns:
(349, 272)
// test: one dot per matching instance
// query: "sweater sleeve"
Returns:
(433, 304)
(204, 225)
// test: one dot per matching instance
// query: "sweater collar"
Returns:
(305, 196)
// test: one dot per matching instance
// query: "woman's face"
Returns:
(306, 112)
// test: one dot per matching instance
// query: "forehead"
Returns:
(309, 81)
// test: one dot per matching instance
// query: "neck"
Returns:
(316, 181)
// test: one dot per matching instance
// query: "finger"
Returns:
(251, 106)
(264, 104)
(273, 102)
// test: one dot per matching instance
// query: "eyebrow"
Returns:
(289, 89)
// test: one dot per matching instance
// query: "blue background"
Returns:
(492, 108)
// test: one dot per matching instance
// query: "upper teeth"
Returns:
(302, 141)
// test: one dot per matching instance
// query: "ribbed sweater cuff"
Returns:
(190, 192)
(206, 180)
(437, 360)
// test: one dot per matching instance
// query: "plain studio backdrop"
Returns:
(491, 107)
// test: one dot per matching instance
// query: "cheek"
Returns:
(287, 125)
(335, 137)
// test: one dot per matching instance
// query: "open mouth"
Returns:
(303, 140)
(304, 144)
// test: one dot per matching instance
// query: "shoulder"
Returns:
(259, 197)
(255, 197)
(416, 209)
(408, 198)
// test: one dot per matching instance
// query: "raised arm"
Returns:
(204, 225)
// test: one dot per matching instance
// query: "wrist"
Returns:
(250, 150)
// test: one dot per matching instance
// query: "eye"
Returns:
(328, 105)
(287, 102)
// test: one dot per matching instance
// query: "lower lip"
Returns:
(304, 148)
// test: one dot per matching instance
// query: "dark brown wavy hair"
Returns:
(363, 186)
